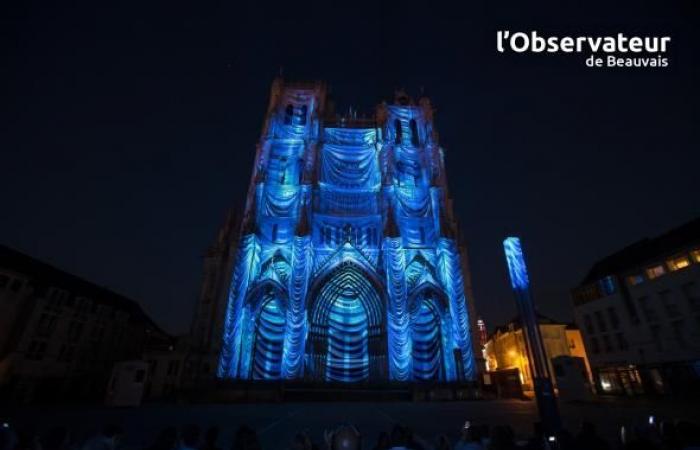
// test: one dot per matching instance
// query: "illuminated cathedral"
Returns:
(347, 266)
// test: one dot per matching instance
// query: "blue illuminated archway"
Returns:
(265, 321)
(347, 333)
(430, 337)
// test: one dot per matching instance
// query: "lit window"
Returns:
(635, 279)
(695, 254)
(655, 272)
(677, 263)
(607, 285)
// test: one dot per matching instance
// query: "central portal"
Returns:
(347, 334)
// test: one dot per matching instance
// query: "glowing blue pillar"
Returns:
(398, 319)
(536, 354)
(450, 273)
(246, 267)
(295, 335)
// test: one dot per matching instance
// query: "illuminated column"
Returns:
(398, 319)
(450, 273)
(536, 355)
(246, 267)
(295, 334)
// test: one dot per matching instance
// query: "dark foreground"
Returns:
(276, 424)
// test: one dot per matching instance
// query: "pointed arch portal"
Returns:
(426, 337)
(347, 334)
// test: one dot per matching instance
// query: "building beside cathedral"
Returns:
(346, 264)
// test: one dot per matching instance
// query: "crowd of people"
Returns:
(667, 435)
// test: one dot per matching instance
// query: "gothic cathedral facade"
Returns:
(346, 266)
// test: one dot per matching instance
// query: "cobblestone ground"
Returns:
(277, 423)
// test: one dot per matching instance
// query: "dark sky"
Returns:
(127, 131)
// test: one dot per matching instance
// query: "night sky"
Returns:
(128, 131)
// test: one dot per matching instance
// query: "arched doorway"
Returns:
(347, 334)
(269, 340)
(426, 337)
(263, 335)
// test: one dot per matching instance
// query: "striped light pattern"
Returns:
(267, 359)
(346, 317)
(348, 357)
(345, 223)
(425, 337)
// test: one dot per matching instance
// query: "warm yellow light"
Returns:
(655, 272)
(696, 255)
(678, 263)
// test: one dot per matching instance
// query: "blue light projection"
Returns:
(516, 264)
(347, 269)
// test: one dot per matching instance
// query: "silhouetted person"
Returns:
(669, 437)
(383, 441)
(56, 439)
(210, 439)
(245, 439)
(442, 443)
(400, 438)
(688, 435)
(166, 440)
(345, 437)
(502, 438)
(8, 438)
(470, 439)
(189, 438)
(566, 441)
(301, 441)
(588, 438)
(107, 439)
(536, 442)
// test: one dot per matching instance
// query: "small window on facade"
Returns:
(397, 131)
(304, 110)
(692, 295)
(647, 310)
(288, 114)
(595, 346)
(695, 254)
(678, 333)
(274, 232)
(680, 262)
(588, 324)
(655, 272)
(414, 133)
(607, 344)
(600, 321)
(607, 285)
(635, 279)
(621, 341)
(614, 319)
(669, 304)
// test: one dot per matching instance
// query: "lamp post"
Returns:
(534, 346)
